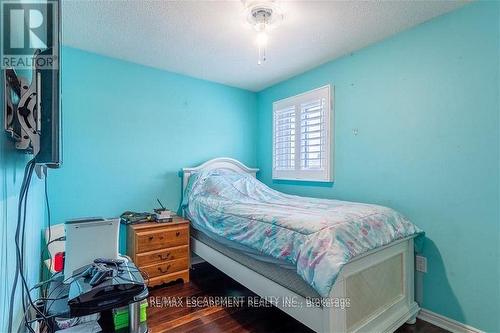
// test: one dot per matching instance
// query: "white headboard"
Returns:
(217, 163)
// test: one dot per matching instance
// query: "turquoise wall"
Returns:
(425, 103)
(129, 129)
(12, 164)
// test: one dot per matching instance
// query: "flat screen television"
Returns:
(32, 103)
(50, 116)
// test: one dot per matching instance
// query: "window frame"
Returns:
(322, 175)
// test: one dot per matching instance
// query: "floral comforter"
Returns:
(319, 236)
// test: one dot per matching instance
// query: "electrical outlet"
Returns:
(421, 264)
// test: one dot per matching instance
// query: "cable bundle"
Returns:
(19, 241)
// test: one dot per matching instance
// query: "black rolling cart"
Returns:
(74, 298)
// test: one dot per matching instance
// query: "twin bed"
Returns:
(334, 266)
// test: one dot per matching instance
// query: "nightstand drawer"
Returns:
(184, 275)
(167, 267)
(159, 256)
(154, 240)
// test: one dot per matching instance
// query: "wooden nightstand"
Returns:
(161, 250)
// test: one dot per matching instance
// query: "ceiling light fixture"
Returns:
(263, 16)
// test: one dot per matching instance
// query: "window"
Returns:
(302, 136)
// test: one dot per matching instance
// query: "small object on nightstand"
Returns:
(134, 217)
(161, 250)
(163, 214)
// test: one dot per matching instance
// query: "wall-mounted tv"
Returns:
(32, 104)
(50, 117)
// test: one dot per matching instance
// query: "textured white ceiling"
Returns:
(211, 39)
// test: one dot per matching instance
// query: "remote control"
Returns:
(89, 272)
(109, 261)
(100, 276)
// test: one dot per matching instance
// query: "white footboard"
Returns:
(380, 290)
(377, 287)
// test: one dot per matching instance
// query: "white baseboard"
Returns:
(446, 323)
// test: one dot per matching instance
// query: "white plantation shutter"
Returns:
(302, 136)
(284, 138)
(312, 135)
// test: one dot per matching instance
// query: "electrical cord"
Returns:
(23, 249)
(16, 237)
(42, 283)
(28, 291)
(49, 223)
(23, 231)
(58, 239)
(24, 285)
(20, 236)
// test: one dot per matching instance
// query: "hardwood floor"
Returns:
(168, 310)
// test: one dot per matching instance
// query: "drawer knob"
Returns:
(150, 238)
(164, 257)
(164, 271)
(177, 234)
